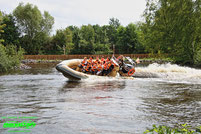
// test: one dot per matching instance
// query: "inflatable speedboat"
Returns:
(70, 69)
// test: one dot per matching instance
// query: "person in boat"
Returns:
(108, 59)
(83, 63)
(110, 66)
(97, 60)
(120, 60)
(105, 69)
(99, 68)
(90, 60)
(94, 68)
(87, 68)
(102, 60)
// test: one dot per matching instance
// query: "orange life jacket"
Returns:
(105, 66)
(99, 67)
(94, 67)
(87, 68)
(96, 61)
(89, 61)
(109, 64)
(83, 63)
(107, 60)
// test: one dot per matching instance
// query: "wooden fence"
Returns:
(66, 57)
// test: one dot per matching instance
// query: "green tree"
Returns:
(33, 25)
(87, 35)
(127, 39)
(140, 36)
(63, 41)
(132, 39)
(121, 40)
(10, 34)
(1, 27)
(9, 56)
(173, 27)
(114, 24)
(69, 39)
(75, 39)
(101, 43)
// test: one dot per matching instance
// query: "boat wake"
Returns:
(170, 71)
(165, 72)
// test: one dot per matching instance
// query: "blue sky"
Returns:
(83, 12)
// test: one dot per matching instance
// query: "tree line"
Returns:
(10, 55)
(169, 27)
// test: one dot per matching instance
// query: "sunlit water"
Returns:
(165, 95)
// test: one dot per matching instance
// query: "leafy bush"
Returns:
(182, 129)
(10, 57)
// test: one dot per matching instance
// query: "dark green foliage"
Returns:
(10, 34)
(61, 42)
(127, 41)
(100, 39)
(102, 49)
(87, 39)
(1, 27)
(114, 24)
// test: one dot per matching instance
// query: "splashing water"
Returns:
(171, 71)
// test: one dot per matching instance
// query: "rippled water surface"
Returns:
(166, 95)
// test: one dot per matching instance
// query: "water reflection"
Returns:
(95, 85)
(174, 103)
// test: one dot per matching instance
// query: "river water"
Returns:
(159, 94)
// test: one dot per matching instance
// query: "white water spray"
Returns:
(171, 71)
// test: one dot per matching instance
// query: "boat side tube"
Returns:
(66, 66)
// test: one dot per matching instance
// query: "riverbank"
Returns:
(144, 60)
(32, 61)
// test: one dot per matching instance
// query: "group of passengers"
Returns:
(97, 67)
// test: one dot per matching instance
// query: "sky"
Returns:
(84, 12)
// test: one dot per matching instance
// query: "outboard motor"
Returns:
(128, 69)
(131, 61)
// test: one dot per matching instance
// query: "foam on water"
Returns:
(93, 78)
(164, 72)
(171, 71)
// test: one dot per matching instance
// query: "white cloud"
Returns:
(79, 12)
